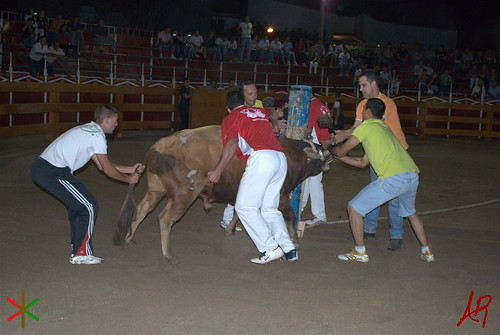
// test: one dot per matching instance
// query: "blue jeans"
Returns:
(245, 46)
(395, 221)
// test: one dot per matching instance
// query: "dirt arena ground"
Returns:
(216, 290)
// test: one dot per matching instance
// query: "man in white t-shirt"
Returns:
(53, 171)
(37, 56)
(55, 52)
(197, 41)
(245, 28)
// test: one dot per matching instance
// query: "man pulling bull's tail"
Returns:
(248, 129)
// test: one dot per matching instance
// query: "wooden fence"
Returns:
(52, 108)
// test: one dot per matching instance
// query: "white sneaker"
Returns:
(88, 259)
(268, 256)
(314, 221)
(224, 225)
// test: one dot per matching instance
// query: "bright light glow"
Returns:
(270, 30)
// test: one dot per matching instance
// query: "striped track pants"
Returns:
(81, 205)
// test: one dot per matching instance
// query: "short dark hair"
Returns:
(243, 84)
(376, 106)
(371, 76)
(103, 112)
(234, 99)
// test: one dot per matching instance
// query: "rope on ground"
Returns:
(444, 210)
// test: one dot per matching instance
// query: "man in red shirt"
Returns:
(313, 185)
(248, 129)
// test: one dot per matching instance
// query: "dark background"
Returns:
(475, 21)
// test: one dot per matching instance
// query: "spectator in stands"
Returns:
(319, 48)
(42, 23)
(288, 51)
(231, 85)
(220, 44)
(345, 63)
(473, 77)
(245, 28)
(394, 82)
(356, 60)
(468, 57)
(53, 27)
(65, 40)
(430, 56)
(422, 82)
(178, 45)
(330, 55)
(441, 58)
(197, 41)
(484, 75)
(402, 56)
(189, 52)
(210, 46)
(300, 51)
(378, 56)
(30, 16)
(456, 59)
(254, 54)
(186, 93)
(29, 33)
(314, 58)
(232, 48)
(212, 84)
(75, 29)
(263, 49)
(494, 90)
(388, 54)
(418, 69)
(478, 90)
(55, 53)
(445, 83)
(276, 50)
(462, 76)
(102, 35)
(384, 79)
(37, 56)
(164, 41)
(416, 55)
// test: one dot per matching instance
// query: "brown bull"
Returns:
(177, 168)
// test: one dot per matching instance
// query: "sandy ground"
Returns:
(216, 290)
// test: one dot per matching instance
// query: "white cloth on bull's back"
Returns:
(258, 199)
(76, 147)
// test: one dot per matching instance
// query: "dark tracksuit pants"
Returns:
(81, 205)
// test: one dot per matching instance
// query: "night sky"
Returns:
(475, 21)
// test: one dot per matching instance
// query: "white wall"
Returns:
(286, 17)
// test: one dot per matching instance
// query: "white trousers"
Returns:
(258, 199)
(313, 186)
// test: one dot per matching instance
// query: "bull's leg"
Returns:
(289, 216)
(232, 225)
(175, 209)
(150, 201)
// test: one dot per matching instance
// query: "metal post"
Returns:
(288, 77)
(418, 108)
(481, 111)
(220, 73)
(204, 77)
(326, 86)
(322, 77)
(255, 73)
(267, 83)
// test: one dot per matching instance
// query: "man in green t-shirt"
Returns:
(397, 173)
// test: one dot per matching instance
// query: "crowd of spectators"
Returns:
(435, 71)
(51, 39)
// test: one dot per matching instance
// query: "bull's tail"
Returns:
(127, 214)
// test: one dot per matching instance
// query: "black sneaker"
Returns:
(290, 256)
(366, 236)
(395, 244)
